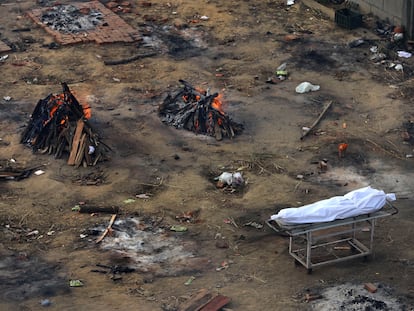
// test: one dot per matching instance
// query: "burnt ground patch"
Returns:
(23, 277)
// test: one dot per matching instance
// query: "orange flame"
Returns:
(87, 111)
(217, 103)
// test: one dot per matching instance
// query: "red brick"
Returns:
(370, 287)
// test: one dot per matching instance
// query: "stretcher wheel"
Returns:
(297, 263)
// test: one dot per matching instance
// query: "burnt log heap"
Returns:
(197, 111)
(60, 124)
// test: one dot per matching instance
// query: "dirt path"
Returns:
(234, 52)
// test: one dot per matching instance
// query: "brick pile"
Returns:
(113, 28)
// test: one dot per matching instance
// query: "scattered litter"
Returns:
(231, 179)
(378, 57)
(342, 149)
(75, 283)
(204, 18)
(45, 302)
(305, 87)
(76, 208)
(7, 98)
(3, 58)
(91, 149)
(177, 228)
(191, 216)
(128, 201)
(12, 160)
(404, 54)
(142, 196)
(39, 172)
(231, 221)
(356, 43)
(224, 265)
(300, 176)
(374, 49)
(34, 232)
(290, 2)
(116, 79)
(254, 225)
(52, 232)
(399, 67)
(189, 281)
(82, 236)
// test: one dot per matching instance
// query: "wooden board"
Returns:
(75, 142)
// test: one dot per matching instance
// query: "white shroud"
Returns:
(358, 202)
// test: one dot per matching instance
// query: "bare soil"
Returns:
(234, 52)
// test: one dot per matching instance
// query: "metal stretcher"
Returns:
(318, 244)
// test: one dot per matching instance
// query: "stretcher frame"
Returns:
(339, 240)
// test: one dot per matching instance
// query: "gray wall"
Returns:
(398, 12)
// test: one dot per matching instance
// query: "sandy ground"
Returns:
(234, 52)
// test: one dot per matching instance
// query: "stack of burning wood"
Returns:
(198, 111)
(59, 124)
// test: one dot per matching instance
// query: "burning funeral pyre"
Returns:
(58, 124)
(198, 111)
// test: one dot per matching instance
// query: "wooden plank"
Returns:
(198, 301)
(79, 156)
(75, 142)
(216, 303)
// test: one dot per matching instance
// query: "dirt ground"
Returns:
(235, 51)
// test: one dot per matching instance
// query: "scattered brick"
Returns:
(370, 287)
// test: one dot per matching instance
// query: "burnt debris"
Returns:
(70, 19)
(198, 111)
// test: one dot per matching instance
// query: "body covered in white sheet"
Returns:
(358, 202)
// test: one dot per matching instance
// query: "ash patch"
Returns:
(351, 297)
(70, 19)
(149, 248)
(178, 43)
(23, 277)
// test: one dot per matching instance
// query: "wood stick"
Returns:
(95, 209)
(317, 120)
(109, 228)
(75, 144)
(130, 59)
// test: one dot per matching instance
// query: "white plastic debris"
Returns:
(399, 67)
(374, 49)
(282, 67)
(7, 98)
(404, 54)
(204, 18)
(305, 87)
(290, 2)
(39, 172)
(231, 179)
(91, 149)
(3, 58)
(142, 196)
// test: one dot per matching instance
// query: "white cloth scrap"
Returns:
(358, 202)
